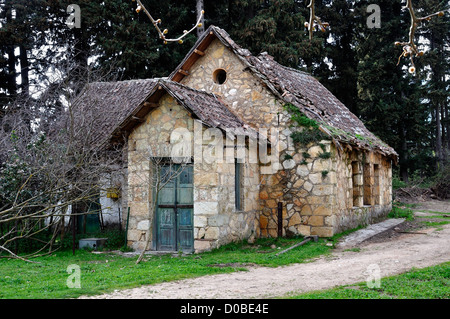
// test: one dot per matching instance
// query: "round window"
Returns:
(220, 76)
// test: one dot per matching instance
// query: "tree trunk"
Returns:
(12, 59)
(24, 70)
(438, 138)
(404, 156)
(444, 135)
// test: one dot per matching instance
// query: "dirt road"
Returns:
(391, 257)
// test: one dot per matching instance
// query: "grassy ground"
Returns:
(426, 283)
(105, 272)
(109, 271)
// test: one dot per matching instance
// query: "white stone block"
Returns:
(205, 208)
(302, 170)
(143, 225)
(200, 221)
(288, 164)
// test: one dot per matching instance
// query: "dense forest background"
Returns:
(38, 52)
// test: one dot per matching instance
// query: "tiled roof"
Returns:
(206, 107)
(299, 89)
(111, 103)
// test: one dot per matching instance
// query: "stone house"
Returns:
(267, 151)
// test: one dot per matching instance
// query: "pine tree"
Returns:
(437, 35)
(390, 99)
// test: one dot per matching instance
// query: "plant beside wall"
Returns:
(309, 133)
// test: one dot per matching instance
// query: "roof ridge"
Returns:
(191, 89)
(123, 81)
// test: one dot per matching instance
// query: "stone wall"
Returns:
(151, 138)
(316, 192)
(320, 195)
(216, 220)
(306, 187)
(364, 189)
(241, 91)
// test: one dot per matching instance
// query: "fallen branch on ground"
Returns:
(307, 240)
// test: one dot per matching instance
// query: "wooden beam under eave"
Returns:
(201, 53)
(184, 72)
(138, 119)
(151, 105)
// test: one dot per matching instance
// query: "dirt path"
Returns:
(393, 256)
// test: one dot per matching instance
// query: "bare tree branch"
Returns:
(52, 165)
(162, 34)
(410, 48)
(314, 21)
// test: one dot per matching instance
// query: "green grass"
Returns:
(105, 272)
(435, 224)
(427, 283)
(399, 211)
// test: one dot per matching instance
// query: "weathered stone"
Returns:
(271, 203)
(295, 220)
(202, 245)
(315, 200)
(273, 232)
(314, 151)
(298, 183)
(297, 202)
(320, 190)
(307, 186)
(315, 178)
(322, 231)
(306, 210)
(304, 230)
(263, 221)
(143, 225)
(200, 221)
(321, 165)
(207, 179)
(200, 233)
(315, 220)
(276, 194)
(314, 203)
(205, 208)
(288, 164)
(212, 233)
(331, 221)
(218, 220)
(322, 211)
(302, 170)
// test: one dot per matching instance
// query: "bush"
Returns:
(441, 185)
(397, 183)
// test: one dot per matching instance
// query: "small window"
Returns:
(357, 184)
(238, 170)
(367, 184)
(376, 182)
(220, 76)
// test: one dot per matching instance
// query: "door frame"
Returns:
(176, 206)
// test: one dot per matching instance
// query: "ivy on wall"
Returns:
(310, 132)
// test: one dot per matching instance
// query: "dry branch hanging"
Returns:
(314, 21)
(162, 34)
(410, 48)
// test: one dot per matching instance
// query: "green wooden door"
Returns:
(174, 213)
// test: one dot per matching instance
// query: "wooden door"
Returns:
(174, 212)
